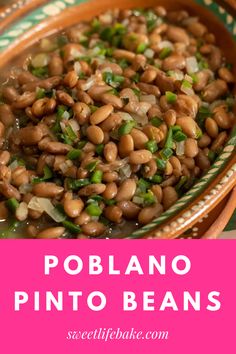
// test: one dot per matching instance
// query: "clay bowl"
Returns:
(25, 22)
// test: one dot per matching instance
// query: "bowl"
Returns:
(25, 22)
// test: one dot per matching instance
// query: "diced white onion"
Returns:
(22, 211)
(13, 165)
(177, 75)
(40, 60)
(125, 116)
(74, 125)
(215, 104)
(191, 65)
(187, 90)
(47, 45)
(75, 53)
(125, 172)
(165, 44)
(77, 67)
(149, 53)
(148, 98)
(141, 120)
(45, 205)
(180, 148)
(66, 115)
(25, 188)
(138, 200)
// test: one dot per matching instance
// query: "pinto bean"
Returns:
(97, 188)
(4, 157)
(6, 115)
(189, 126)
(5, 173)
(109, 98)
(164, 82)
(214, 90)
(73, 207)
(82, 219)
(226, 75)
(211, 127)
(157, 191)
(55, 66)
(19, 176)
(197, 29)
(204, 141)
(222, 118)
(47, 84)
(30, 135)
(113, 213)
(150, 169)
(55, 147)
(139, 138)
(51, 232)
(191, 147)
(126, 190)
(65, 98)
(219, 142)
(43, 106)
(115, 68)
(147, 214)
(70, 79)
(111, 176)
(10, 93)
(8, 191)
(202, 78)
(202, 161)
(81, 112)
(149, 89)
(22, 212)
(148, 76)
(186, 105)
(84, 97)
(47, 190)
(170, 117)
(170, 196)
(123, 54)
(112, 122)
(153, 133)
(93, 228)
(140, 157)
(126, 145)
(110, 191)
(101, 114)
(177, 34)
(129, 209)
(25, 100)
(176, 164)
(95, 134)
(174, 62)
(110, 152)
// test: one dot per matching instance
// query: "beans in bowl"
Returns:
(103, 127)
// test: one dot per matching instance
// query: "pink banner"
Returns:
(117, 297)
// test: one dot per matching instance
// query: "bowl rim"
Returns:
(205, 194)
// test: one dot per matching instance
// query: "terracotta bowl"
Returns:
(25, 22)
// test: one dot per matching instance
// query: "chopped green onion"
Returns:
(141, 48)
(136, 92)
(62, 40)
(151, 24)
(112, 79)
(165, 52)
(110, 201)
(166, 153)
(176, 128)
(96, 176)
(157, 179)
(156, 121)
(202, 114)
(126, 127)
(70, 133)
(75, 184)
(171, 97)
(123, 63)
(136, 78)
(40, 93)
(99, 149)
(93, 108)
(161, 164)
(12, 204)
(95, 199)
(143, 185)
(81, 144)
(93, 210)
(148, 197)
(91, 166)
(169, 139)
(179, 136)
(186, 84)
(181, 183)
(74, 154)
(151, 145)
(211, 156)
(70, 226)
(47, 174)
(194, 78)
(41, 72)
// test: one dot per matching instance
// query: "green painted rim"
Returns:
(55, 7)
